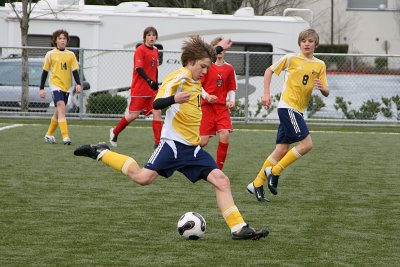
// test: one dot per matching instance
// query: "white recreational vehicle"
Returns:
(121, 28)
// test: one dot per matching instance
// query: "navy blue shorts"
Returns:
(292, 127)
(192, 161)
(59, 95)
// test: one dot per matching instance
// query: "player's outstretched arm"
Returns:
(164, 102)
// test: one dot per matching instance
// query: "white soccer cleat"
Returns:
(67, 141)
(50, 139)
(113, 138)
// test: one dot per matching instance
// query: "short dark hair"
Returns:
(195, 49)
(58, 33)
(148, 30)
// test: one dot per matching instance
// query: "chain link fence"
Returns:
(363, 88)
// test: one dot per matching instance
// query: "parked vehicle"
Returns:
(11, 86)
(121, 27)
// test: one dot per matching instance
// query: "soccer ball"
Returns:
(191, 225)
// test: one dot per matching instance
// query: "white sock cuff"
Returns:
(229, 210)
(125, 167)
(298, 155)
(273, 161)
(101, 154)
(237, 227)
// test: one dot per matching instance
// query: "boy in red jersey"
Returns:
(219, 86)
(144, 87)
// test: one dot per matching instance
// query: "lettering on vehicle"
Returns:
(173, 61)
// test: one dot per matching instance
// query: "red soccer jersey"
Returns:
(147, 59)
(219, 80)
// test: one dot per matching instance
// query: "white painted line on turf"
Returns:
(10, 126)
(329, 131)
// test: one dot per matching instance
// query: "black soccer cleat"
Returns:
(247, 232)
(272, 180)
(91, 151)
(257, 191)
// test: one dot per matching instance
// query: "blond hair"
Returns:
(309, 33)
(216, 40)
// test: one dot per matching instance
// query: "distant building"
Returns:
(367, 26)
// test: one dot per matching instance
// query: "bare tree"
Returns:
(23, 16)
(271, 7)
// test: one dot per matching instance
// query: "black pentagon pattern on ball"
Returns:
(187, 226)
(203, 223)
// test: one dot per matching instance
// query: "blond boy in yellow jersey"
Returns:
(303, 74)
(62, 65)
(179, 149)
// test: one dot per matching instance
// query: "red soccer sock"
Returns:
(121, 126)
(222, 151)
(157, 127)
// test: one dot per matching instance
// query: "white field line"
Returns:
(10, 126)
(311, 131)
(239, 130)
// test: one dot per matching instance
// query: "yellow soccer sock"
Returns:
(290, 157)
(63, 128)
(233, 218)
(261, 178)
(52, 127)
(117, 161)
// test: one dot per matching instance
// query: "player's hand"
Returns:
(266, 100)
(182, 97)
(211, 98)
(318, 84)
(78, 89)
(153, 84)
(225, 43)
(230, 104)
(42, 93)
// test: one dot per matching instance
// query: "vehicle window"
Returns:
(258, 63)
(10, 73)
(42, 40)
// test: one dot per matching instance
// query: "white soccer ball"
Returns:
(191, 225)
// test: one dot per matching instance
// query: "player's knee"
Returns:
(222, 181)
(309, 147)
(224, 136)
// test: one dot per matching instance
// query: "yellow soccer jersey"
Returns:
(182, 121)
(60, 65)
(299, 79)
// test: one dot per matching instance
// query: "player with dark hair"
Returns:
(143, 88)
(62, 65)
(304, 74)
(179, 148)
(219, 86)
